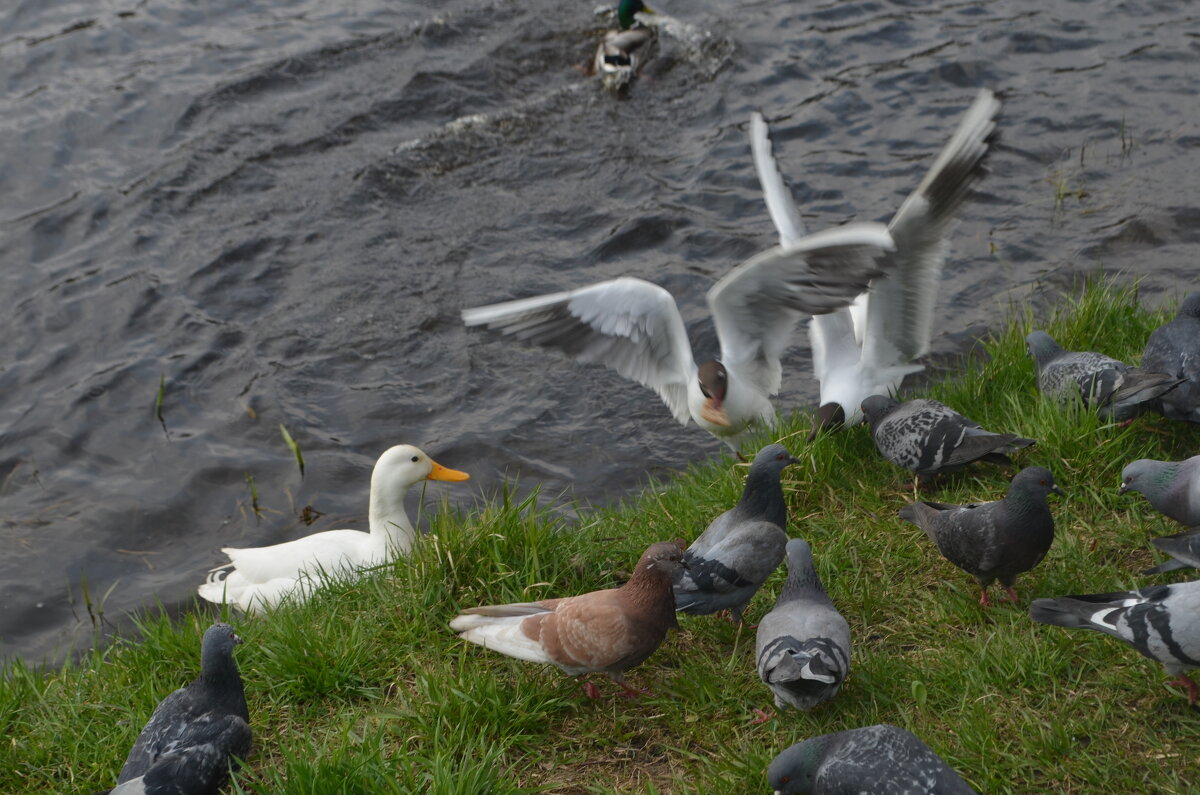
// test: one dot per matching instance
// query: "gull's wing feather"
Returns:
(626, 324)
(900, 309)
(756, 305)
(780, 204)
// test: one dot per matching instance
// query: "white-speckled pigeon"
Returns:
(1171, 487)
(607, 631)
(1174, 349)
(191, 740)
(1162, 622)
(881, 760)
(927, 437)
(803, 644)
(1117, 390)
(736, 553)
(1184, 549)
(993, 540)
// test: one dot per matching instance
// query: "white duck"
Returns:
(259, 577)
(867, 349)
(635, 328)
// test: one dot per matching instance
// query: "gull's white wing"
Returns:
(627, 324)
(900, 307)
(780, 204)
(756, 305)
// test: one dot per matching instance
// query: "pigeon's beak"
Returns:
(236, 639)
(440, 472)
(1058, 491)
(712, 412)
(1124, 488)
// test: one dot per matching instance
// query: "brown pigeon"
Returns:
(611, 630)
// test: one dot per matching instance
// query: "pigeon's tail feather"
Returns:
(1141, 391)
(693, 602)
(1094, 611)
(992, 447)
(502, 634)
(1167, 565)
(922, 515)
(1062, 612)
(803, 673)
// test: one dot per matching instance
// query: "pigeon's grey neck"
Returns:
(1161, 478)
(1044, 349)
(802, 579)
(217, 665)
(762, 498)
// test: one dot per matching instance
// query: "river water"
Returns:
(277, 210)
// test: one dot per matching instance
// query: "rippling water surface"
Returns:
(281, 207)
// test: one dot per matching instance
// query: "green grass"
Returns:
(363, 689)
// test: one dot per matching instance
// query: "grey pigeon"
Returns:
(803, 644)
(993, 540)
(607, 631)
(1117, 390)
(1174, 349)
(1162, 622)
(733, 557)
(1184, 549)
(881, 759)
(191, 740)
(1172, 487)
(927, 437)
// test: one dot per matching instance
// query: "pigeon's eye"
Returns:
(416, 458)
(786, 779)
(779, 457)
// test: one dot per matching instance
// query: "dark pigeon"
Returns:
(195, 733)
(198, 769)
(927, 437)
(1184, 549)
(1174, 349)
(607, 631)
(803, 644)
(1171, 487)
(733, 557)
(881, 760)
(993, 540)
(1162, 622)
(1117, 390)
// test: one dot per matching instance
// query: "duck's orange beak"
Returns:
(440, 472)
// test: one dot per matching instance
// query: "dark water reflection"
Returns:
(282, 206)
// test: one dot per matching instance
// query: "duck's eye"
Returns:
(416, 458)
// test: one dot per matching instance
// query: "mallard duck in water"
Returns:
(623, 51)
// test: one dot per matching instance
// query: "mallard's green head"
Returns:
(627, 9)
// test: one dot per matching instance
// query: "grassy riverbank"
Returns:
(365, 690)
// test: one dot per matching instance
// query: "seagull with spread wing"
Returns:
(635, 328)
(856, 353)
